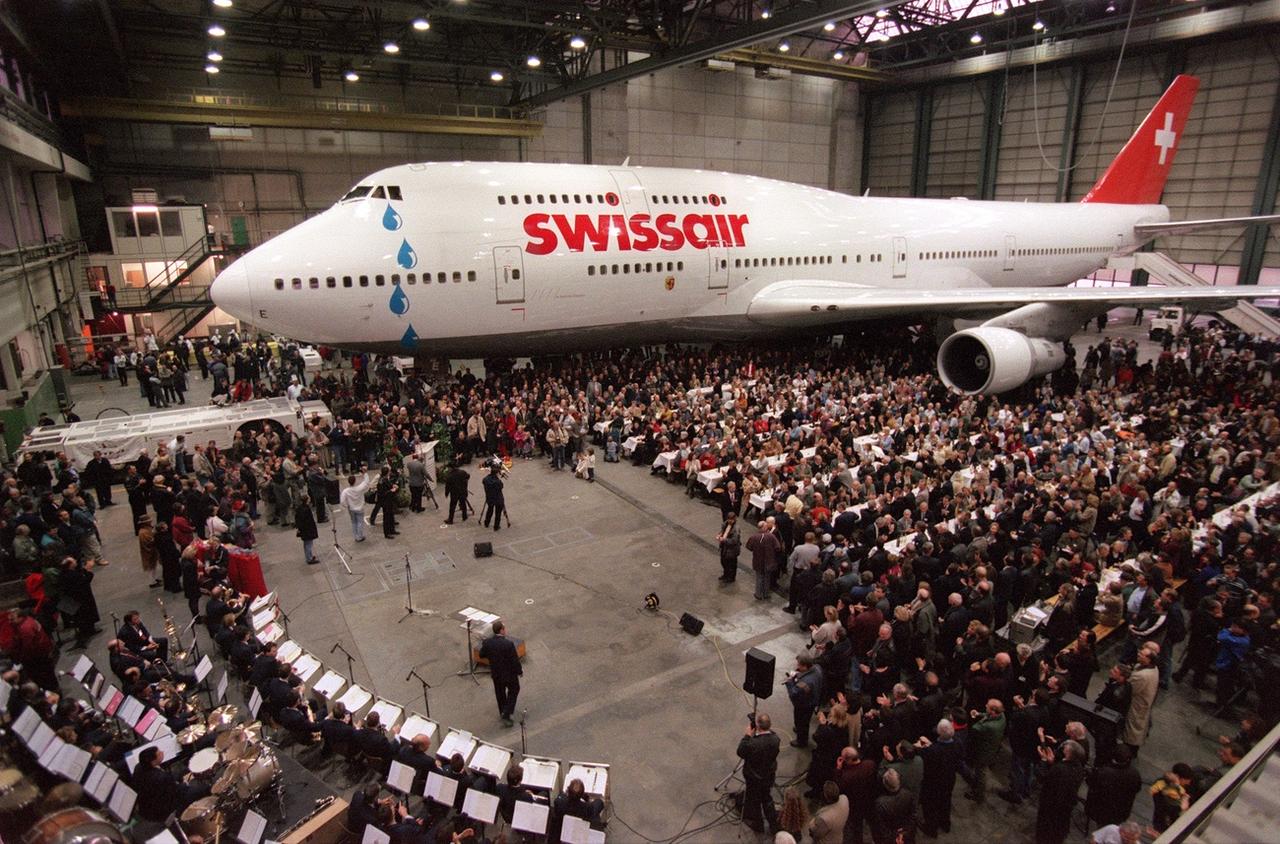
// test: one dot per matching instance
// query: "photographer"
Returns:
(758, 751)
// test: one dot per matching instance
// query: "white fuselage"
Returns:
(477, 259)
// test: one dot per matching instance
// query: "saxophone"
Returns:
(176, 650)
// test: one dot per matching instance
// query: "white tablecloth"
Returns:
(629, 444)
(709, 478)
(666, 461)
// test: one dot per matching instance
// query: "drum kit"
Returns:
(240, 769)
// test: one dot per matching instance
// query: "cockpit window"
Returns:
(393, 192)
(358, 192)
(378, 193)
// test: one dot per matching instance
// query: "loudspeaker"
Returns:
(759, 681)
(691, 624)
(1104, 724)
(484, 549)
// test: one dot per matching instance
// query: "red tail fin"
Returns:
(1137, 175)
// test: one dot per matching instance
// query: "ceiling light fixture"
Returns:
(421, 24)
(829, 26)
(222, 4)
(1038, 26)
(533, 61)
(784, 47)
(214, 56)
(976, 38)
(998, 11)
(882, 13)
(211, 68)
(577, 42)
(765, 14)
(391, 47)
(838, 55)
(1111, 8)
(351, 76)
(216, 31)
(496, 76)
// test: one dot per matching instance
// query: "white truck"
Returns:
(122, 438)
(1166, 323)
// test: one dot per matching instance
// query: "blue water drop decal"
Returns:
(391, 221)
(399, 303)
(406, 257)
(410, 338)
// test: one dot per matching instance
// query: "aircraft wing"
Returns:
(814, 302)
(1147, 231)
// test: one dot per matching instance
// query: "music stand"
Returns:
(337, 548)
(408, 595)
(471, 661)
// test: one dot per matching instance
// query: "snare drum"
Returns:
(73, 826)
(202, 818)
(204, 763)
(259, 775)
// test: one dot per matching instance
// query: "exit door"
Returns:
(718, 278)
(508, 265)
(632, 192)
(899, 257)
(1010, 248)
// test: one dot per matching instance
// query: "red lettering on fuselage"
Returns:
(637, 232)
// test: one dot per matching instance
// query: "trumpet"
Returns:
(171, 630)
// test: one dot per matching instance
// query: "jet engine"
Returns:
(990, 359)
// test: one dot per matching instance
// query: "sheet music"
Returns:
(389, 714)
(480, 806)
(71, 762)
(441, 789)
(5, 691)
(255, 702)
(540, 773)
(329, 684)
(203, 668)
(288, 652)
(144, 723)
(221, 693)
(158, 727)
(164, 836)
(270, 633)
(577, 831)
(262, 619)
(595, 780)
(373, 835)
(253, 828)
(400, 777)
(416, 725)
(105, 698)
(41, 738)
(531, 817)
(260, 602)
(168, 746)
(491, 759)
(81, 668)
(131, 710)
(26, 724)
(95, 686)
(102, 778)
(121, 803)
(306, 667)
(50, 752)
(458, 741)
(355, 699)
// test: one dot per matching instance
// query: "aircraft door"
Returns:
(1010, 249)
(508, 266)
(899, 257)
(718, 277)
(634, 200)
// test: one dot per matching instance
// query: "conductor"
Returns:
(494, 504)
(504, 667)
(758, 750)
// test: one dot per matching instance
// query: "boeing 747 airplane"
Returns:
(496, 259)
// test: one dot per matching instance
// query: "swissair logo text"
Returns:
(638, 232)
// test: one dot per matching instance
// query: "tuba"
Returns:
(176, 650)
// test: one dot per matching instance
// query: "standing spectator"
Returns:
(859, 781)
(985, 736)
(307, 531)
(758, 750)
(804, 687)
(894, 817)
(1233, 644)
(352, 499)
(1059, 794)
(1145, 681)
(147, 554)
(829, 738)
(455, 486)
(77, 603)
(98, 474)
(942, 761)
(1169, 796)
(766, 549)
(416, 472)
(730, 542)
(1112, 789)
(827, 826)
(387, 489)
(1202, 642)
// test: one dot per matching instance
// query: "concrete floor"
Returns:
(604, 680)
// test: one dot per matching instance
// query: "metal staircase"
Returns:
(1244, 315)
(165, 290)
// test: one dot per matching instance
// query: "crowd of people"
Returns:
(905, 525)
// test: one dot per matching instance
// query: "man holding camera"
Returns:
(758, 751)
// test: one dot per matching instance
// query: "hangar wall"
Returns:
(802, 129)
(1216, 172)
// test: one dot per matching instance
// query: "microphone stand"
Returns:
(115, 626)
(408, 594)
(426, 687)
(337, 549)
(524, 747)
(351, 673)
(284, 616)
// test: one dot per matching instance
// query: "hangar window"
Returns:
(587, 198)
(364, 281)
(313, 283)
(844, 259)
(471, 275)
(357, 192)
(380, 280)
(378, 193)
(346, 281)
(541, 199)
(502, 200)
(457, 277)
(279, 284)
(393, 192)
(330, 282)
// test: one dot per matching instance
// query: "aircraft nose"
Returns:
(230, 291)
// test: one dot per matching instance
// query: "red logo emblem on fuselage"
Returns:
(638, 232)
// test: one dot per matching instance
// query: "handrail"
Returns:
(186, 255)
(1201, 811)
(40, 251)
(140, 297)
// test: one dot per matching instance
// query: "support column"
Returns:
(1070, 132)
(11, 380)
(846, 140)
(868, 110)
(920, 147)
(1264, 202)
(586, 129)
(993, 122)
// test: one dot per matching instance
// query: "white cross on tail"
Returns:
(1166, 137)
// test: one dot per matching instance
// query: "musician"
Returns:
(159, 792)
(298, 720)
(265, 665)
(221, 602)
(135, 636)
(244, 650)
(336, 730)
(366, 808)
(226, 635)
(513, 791)
(574, 802)
(122, 660)
(417, 755)
(177, 714)
(280, 691)
(372, 741)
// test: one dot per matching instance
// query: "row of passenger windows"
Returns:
(315, 283)
(380, 192)
(1065, 250)
(625, 269)
(600, 198)
(958, 253)
(792, 261)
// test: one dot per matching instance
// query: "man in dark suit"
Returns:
(371, 740)
(495, 504)
(455, 486)
(135, 636)
(417, 755)
(730, 500)
(758, 751)
(265, 665)
(504, 667)
(159, 792)
(942, 761)
(336, 730)
(98, 474)
(297, 721)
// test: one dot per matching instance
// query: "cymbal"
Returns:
(234, 771)
(16, 791)
(223, 716)
(192, 734)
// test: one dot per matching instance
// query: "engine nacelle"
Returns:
(989, 359)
